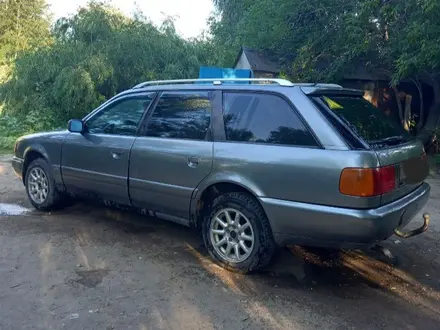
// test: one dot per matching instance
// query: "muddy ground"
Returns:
(88, 267)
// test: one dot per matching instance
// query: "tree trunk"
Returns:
(422, 109)
(407, 113)
(433, 117)
(17, 43)
(399, 104)
(434, 113)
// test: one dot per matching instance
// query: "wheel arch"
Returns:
(210, 189)
(32, 153)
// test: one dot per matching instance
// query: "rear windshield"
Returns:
(365, 120)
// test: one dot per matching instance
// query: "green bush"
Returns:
(7, 144)
(95, 54)
(10, 126)
(10, 129)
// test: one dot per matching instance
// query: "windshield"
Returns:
(365, 120)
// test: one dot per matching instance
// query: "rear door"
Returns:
(173, 153)
(382, 134)
(268, 147)
(96, 162)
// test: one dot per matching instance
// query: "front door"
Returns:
(173, 154)
(96, 162)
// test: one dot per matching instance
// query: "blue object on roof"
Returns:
(214, 72)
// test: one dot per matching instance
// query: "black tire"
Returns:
(53, 198)
(264, 245)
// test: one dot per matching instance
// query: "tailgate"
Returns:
(411, 168)
(369, 128)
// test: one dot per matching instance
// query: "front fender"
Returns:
(29, 149)
(50, 150)
(36, 147)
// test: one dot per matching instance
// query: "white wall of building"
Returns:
(243, 62)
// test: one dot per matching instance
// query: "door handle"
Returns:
(193, 161)
(116, 154)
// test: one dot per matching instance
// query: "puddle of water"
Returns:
(12, 209)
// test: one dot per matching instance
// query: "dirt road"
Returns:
(92, 268)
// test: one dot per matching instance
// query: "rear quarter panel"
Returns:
(308, 175)
(291, 173)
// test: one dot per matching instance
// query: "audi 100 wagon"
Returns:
(250, 163)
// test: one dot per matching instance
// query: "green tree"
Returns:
(24, 24)
(95, 54)
(321, 40)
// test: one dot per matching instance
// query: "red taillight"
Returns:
(367, 182)
(387, 179)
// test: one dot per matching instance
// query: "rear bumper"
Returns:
(326, 226)
(17, 165)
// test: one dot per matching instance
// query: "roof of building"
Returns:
(266, 61)
(260, 60)
(362, 72)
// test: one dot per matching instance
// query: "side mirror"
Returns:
(76, 126)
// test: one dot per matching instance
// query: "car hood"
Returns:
(45, 135)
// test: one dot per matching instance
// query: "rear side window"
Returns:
(263, 118)
(181, 115)
(364, 119)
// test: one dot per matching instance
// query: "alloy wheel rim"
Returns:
(38, 185)
(232, 235)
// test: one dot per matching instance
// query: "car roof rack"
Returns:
(220, 81)
(217, 81)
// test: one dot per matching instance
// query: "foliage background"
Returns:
(51, 73)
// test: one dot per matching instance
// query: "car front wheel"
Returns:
(237, 233)
(40, 185)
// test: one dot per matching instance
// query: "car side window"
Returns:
(263, 118)
(120, 118)
(181, 115)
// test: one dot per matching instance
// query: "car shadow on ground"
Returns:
(414, 279)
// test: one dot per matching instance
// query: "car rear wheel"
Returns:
(40, 186)
(237, 233)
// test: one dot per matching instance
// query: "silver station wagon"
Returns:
(250, 163)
